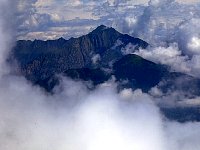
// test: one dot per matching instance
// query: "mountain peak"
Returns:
(61, 39)
(101, 29)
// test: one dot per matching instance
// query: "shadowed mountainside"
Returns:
(95, 57)
(98, 57)
(42, 59)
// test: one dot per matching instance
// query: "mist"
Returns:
(101, 119)
(75, 118)
(174, 37)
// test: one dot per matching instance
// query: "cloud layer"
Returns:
(90, 120)
(52, 19)
(172, 29)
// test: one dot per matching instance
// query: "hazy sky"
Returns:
(188, 1)
(50, 19)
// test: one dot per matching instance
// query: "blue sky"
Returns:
(51, 19)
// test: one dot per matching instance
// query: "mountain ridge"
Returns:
(39, 60)
(96, 58)
(74, 53)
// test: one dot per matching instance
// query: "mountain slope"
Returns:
(136, 71)
(39, 61)
(42, 59)
(139, 72)
(99, 56)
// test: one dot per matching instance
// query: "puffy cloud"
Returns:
(194, 45)
(31, 15)
(92, 120)
(101, 119)
(173, 57)
(171, 29)
(170, 56)
(67, 120)
(188, 35)
(159, 22)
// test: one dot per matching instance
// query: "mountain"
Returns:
(132, 71)
(136, 71)
(42, 59)
(99, 56)
(139, 73)
(96, 57)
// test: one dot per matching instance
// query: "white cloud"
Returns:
(96, 58)
(101, 119)
(104, 12)
(76, 118)
(173, 57)
(170, 56)
(194, 45)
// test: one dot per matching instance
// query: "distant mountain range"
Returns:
(97, 57)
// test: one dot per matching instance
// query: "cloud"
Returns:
(194, 45)
(76, 118)
(101, 119)
(172, 33)
(96, 58)
(94, 121)
(173, 57)
(7, 30)
(188, 35)
(170, 56)
(39, 16)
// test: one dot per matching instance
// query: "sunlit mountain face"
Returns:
(93, 75)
